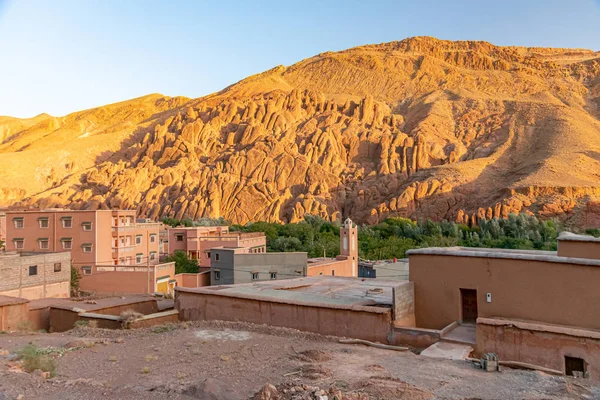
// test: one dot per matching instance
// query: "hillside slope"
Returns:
(417, 128)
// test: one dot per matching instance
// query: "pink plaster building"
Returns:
(94, 238)
(2, 227)
(197, 241)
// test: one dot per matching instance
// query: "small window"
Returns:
(57, 267)
(139, 258)
(86, 270)
(179, 238)
(67, 223)
(138, 239)
(273, 275)
(19, 223)
(152, 238)
(44, 223)
(87, 248)
(217, 275)
(217, 257)
(32, 270)
(255, 276)
(574, 366)
(67, 244)
(19, 244)
(87, 226)
(153, 256)
(43, 244)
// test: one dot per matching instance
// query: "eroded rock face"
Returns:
(418, 128)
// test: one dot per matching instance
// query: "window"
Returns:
(67, 222)
(138, 239)
(153, 256)
(179, 238)
(19, 243)
(57, 267)
(273, 275)
(152, 238)
(86, 270)
(217, 275)
(87, 226)
(33, 270)
(139, 258)
(19, 223)
(255, 276)
(87, 247)
(43, 223)
(43, 244)
(217, 256)
(574, 366)
(67, 243)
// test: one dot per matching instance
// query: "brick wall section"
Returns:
(15, 278)
(404, 304)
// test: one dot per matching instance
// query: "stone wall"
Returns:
(17, 281)
(404, 304)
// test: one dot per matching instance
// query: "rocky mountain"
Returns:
(416, 128)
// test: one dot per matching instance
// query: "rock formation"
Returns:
(417, 128)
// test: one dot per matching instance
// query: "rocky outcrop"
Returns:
(417, 128)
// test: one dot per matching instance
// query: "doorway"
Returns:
(469, 305)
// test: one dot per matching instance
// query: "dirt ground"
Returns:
(218, 360)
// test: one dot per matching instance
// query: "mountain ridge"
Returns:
(419, 128)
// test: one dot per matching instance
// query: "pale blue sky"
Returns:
(62, 56)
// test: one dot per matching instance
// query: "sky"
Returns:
(62, 56)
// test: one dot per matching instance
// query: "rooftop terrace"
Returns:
(314, 290)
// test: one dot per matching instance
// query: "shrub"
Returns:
(128, 316)
(163, 328)
(34, 358)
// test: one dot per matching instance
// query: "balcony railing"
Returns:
(122, 228)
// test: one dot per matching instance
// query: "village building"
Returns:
(329, 305)
(2, 227)
(197, 241)
(236, 265)
(231, 265)
(35, 275)
(113, 252)
(100, 237)
(538, 307)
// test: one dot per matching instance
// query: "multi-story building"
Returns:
(35, 275)
(197, 241)
(94, 238)
(2, 227)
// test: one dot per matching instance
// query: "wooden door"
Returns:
(469, 305)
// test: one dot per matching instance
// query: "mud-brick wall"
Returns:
(13, 316)
(357, 323)
(547, 349)
(404, 304)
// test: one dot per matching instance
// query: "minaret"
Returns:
(349, 243)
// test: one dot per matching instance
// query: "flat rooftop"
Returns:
(29, 253)
(573, 237)
(314, 290)
(10, 301)
(89, 305)
(529, 255)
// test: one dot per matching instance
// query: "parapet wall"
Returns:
(353, 322)
(578, 246)
(538, 344)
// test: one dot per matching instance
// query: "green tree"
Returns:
(182, 262)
